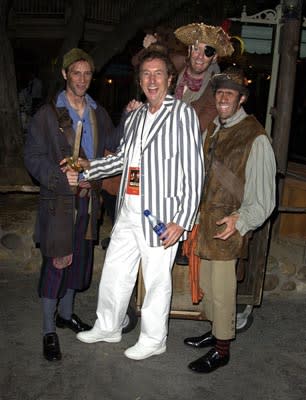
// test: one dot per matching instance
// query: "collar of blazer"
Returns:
(156, 127)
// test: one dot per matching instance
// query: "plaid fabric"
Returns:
(54, 282)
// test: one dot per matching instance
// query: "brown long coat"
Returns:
(45, 147)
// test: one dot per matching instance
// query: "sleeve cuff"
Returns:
(241, 227)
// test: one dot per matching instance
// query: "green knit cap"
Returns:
(75, 55)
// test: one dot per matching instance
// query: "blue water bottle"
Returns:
(158, 226)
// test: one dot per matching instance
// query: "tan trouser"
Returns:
(218, 281)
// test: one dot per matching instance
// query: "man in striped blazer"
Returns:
(162, 145)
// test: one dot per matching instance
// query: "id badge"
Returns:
(133, 181)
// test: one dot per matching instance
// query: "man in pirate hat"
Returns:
(205, 44)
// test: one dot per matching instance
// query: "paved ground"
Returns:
(268, 362)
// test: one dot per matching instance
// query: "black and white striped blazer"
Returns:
(172, 168)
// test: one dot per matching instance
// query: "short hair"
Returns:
(149, 55)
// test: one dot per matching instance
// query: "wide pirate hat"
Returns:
(213, 36)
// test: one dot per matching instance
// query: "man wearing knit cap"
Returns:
(238, 196)
(69, 208)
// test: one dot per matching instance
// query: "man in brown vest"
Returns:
(239, 195)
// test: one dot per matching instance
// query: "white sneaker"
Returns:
(140, 352)
(95, 335)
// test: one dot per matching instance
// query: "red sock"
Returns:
(222, 347)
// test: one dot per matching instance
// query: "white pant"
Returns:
(126, 248)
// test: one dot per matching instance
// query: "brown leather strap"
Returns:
(94, 127)
(228, 179)
(65, 125)
(225, 176)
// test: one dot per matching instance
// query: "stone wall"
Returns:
(286, 265)
(17, 221)
(17, 218)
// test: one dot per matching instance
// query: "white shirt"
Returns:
(133, 202)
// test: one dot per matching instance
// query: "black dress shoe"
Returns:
(51, 347)
(75, 324)
(205, 340)
(210, 362)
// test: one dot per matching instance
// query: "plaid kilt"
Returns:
(54, 282)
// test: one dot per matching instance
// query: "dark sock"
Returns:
(49, 308)
(65, 305)
(222, 347)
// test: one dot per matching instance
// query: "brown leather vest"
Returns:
(226, 155)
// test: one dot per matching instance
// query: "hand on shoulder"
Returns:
(148, 40)
(133, 105)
